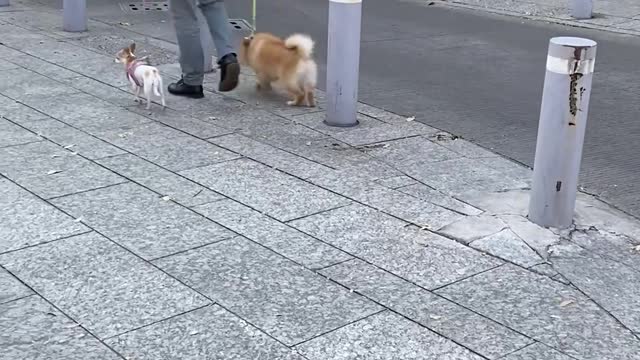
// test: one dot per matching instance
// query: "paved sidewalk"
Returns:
(235, 227)
(621, 16)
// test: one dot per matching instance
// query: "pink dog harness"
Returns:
(131, 70)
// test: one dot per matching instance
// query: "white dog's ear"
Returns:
(132, 48)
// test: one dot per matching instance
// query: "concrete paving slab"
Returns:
(536, 237)
(207, 333)
(44, 67)
(22, 84)
(462, 147)
(283, 299)
(315, 120)
(167, 147)
(100, 285)
(271, 156)
(618, 247)
(17, 112)
(26, 220)
(472, 228)
(412, 154)
(101, 90)
(33, 329)
(281, 196)
(51, 171)
(396, 182)
(614, 286)
(514, 202)
(159, 180)
(12, 134)
(396, 203)
(416, 255)
(537, 351)
(435, 197)
(202, 129)
(452, 321)
(77, 141)
(7, 52)
(6, 65)
(277, 236)
(142, 221)
(11, 288)
(545, 310)
(508, 246)
(86, 112)
(102, 69)
(384, 336)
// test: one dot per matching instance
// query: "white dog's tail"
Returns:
(157, 83)
(303, 44)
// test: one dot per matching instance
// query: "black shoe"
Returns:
(181, 89)
(229, 72)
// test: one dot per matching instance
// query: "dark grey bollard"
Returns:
(563, 120)
(581, 9)
(343, 62)
(74, 15)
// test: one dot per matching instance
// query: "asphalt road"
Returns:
(476, 75)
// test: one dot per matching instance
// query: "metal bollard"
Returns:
(581, 9)
(4, 3)
(206, 40)
(343, 62)
(563, 120)
(74, 15)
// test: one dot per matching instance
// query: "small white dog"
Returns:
(141, 75)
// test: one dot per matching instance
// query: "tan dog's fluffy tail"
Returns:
(303, 44)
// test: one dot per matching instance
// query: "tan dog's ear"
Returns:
(132, 48)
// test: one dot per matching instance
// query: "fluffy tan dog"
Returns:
(285, 63)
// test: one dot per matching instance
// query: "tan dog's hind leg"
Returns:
(309, 98)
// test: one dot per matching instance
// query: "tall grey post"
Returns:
(563, 120)
(343, 62)
(74, 15)
(581, 9)
(206, 40)
(4, 3)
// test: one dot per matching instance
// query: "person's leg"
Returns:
(191, 53)
(216, 14)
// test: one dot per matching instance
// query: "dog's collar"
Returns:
(131, 69)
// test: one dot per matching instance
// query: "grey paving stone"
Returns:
(60, 52)
(514, 202)
(283, 299)
(614, 246)
(348, 161)
(43, 67)
(433, 196)
(102, 69)
(547, 311)
(463, 147)
(473, 176)
(167, 147)
(76, 140)
(538, 238)
(508, 246)
(277, 236)
(11, 288)
(537, 351)
(315, 120)
(509, 169)
(544, 269)
(281, 196)
(103, 91)
(271, 156)
(380, 114)
(100, 285)
(413, 154)
(26, 220)
(614, 286)
(396, 203)
(473, 331)
(17, 112)
(384, 336)
(202, 129)
(591, 211)
(7, 65)
(86, 112)
(396, 182)
(12, 134)
(473, 228)
(50, 171)
(382, 133)
(32, 329)
(208, 333)
(7, 52)
(416, 255)
(142, 221)
(22, 84)
(160, 180)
